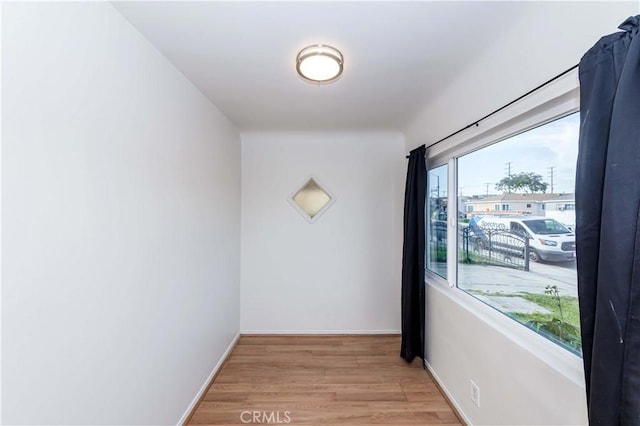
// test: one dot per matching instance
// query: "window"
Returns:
(545, 226)
(311, 200)
(437, 220)
(518, 229)
(520, 264)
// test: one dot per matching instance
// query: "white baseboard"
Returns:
(448, 394)
(204, 387)
(314, 332)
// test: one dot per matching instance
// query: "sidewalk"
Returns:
(498, 279)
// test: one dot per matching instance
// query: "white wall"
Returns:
(342, 273)
(549, 38)
(518, 386)
(1, 68)
(121, 205)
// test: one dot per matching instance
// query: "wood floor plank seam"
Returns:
(322, 380)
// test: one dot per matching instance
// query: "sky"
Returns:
(553, 144)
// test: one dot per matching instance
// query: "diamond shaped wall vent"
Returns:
(311, 200)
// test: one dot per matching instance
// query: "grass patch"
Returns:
(438, 253)
(561, 325)
(570, 310)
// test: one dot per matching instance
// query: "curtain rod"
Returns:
(477, 122)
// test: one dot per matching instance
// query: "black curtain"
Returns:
(413, 297)
(608, 236)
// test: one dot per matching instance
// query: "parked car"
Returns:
(549, 240)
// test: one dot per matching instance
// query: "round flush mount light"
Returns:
(319, 64)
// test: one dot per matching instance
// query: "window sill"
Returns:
(559, 359)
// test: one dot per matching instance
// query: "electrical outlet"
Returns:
(475, 394)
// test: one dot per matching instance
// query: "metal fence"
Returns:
(494, 247)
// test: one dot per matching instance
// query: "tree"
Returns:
(526, 181)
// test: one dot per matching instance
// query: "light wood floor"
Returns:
(322, 380)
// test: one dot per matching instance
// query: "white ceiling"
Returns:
(398, 55)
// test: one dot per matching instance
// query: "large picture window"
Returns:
(515, 234)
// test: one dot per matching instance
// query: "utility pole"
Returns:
(508, 167)
(487, 184)
(551, 174)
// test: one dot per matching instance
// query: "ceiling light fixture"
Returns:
(319, 64)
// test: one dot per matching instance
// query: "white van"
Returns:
(549, 240)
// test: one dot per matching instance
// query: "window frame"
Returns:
(556, 100)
